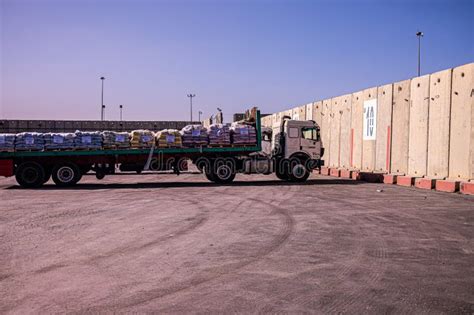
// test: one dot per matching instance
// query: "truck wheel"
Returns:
(30, 175)
(66, 174)
(282, 169)
(223, 173)
(298, 171)
(282, 176)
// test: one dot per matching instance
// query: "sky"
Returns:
(232, 54)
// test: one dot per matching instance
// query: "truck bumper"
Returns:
(6, 168)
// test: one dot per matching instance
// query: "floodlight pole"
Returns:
(191, 104)
(102, 107)
(419, 35)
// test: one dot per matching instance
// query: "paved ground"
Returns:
(166, 244)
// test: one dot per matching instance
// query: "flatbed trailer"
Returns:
(33, 168)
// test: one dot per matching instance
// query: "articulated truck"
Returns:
(291, 151)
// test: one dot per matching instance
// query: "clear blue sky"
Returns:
(232, 54)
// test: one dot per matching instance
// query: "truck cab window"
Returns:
(293, 132)
(309, 133)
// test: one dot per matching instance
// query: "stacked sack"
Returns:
(87, 140)
(7, 142)
(142, 139)
(29, 141)
(219, 134)
(115, 140)
(169, 138)
(194, 135)
(58, 141)
(243, 134)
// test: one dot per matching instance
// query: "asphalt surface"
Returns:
(170, 244)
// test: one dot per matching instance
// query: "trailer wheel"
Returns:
(66, 174)
(223, 171)
(298, 171)
(30, 175)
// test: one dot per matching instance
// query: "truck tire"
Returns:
(282, 169)
(222, 171)
(298, 171)
(65, 175)
(282, 176)
(30, 175)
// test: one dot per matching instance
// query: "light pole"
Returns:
(103, 112)
(200, 113)
(191, 104)
(121, 108)
(419, 35)
(102, 107)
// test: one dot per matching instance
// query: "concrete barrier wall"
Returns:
(424, 126)
(335, 135)
(345, 137)
(418, 133)
(368, 146)
(302, 112)
(461, 154)
(438, 124)
(326, 129)
(356, 129)
(317, 110)
(384, 125)
(400, 127)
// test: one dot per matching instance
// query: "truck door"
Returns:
(293, 139)
(310, 142)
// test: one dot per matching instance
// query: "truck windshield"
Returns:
(309, 133)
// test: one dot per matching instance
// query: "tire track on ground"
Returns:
(211, 274)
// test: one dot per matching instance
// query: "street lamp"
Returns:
(103, 112)
(102, 107)
(419, 35)
(121, 108)
(200, 113)
(191, 104)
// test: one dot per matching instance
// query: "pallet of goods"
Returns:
(140, 139)
(169, 138)
(115, 140)
(87, 140)
(194, 135)
(7, 142)
(242, 134)
(219, 135)
(59, 141)
(29, 141)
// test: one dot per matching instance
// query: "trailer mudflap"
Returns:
(6, 168)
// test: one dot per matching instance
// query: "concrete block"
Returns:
(439, 121)
(389, 179)
(302, 112)
(317, 110)
(335, 172)
(355, 175)
(356, 132)
(295, 113)
(406, 181)
(325, 171)
(309, 111)
(447, 185)
(345, 137)
(384, 125)
(326, 130)
(368, 146)
(345, 173)
(425, 183)
(335, 125)
(418, 136)
(467, 188)
(400, 127)
(461, 156)
(371, 177)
